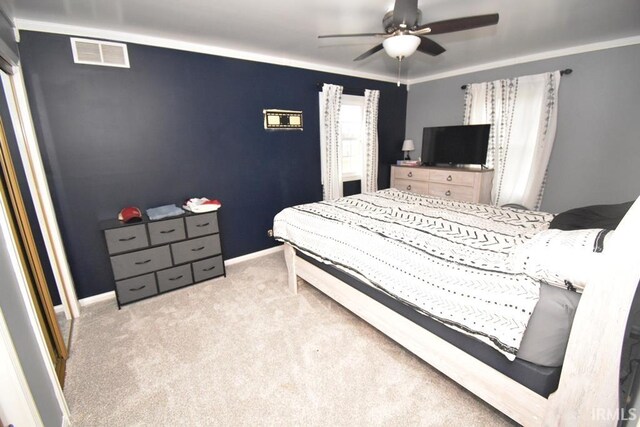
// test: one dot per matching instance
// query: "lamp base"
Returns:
(406, 155)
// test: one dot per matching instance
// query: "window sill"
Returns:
(349, 178)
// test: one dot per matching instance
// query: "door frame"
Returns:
(27, 265)
(16, 401)
(16, 96)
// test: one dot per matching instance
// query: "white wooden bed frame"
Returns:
(588, 391)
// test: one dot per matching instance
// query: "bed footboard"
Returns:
(589, 388)
(588, 391)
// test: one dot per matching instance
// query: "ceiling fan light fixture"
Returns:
(401, 46)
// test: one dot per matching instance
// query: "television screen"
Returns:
(455, 145)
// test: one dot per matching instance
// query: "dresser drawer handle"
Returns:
(126, 239)
(168, 231)
(139, 288)
(203, 225)
(449, 178)
(448, 193)
(408, 188)
(176, 278)
(197, 249)
(142, 262)
(209, 269)
(410, 174)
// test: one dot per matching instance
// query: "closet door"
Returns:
(29, 258)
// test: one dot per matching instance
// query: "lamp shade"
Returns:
(408, 145)
(401, 46)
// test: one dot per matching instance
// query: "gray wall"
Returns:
(596, 155)
(13, 309)
(24, 340)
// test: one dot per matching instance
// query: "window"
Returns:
(351, 129)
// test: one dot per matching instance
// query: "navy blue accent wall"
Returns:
(177, 125)
(28, 202)
(350, 188)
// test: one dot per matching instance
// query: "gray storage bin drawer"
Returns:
(140, 262)
(208, 268)
(166, 231)
(202, 247)
(126, 238)
(201, 224)
(174, 278)
(136, 288)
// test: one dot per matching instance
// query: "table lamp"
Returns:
(407, 146)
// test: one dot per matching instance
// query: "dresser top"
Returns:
(108, 224)
(446, 168)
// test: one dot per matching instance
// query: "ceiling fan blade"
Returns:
(370, 52)
(430, 47)
(458, 24)
(405, 12)
(353, 35)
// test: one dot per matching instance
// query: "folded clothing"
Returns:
(198, 205)
(163, 212)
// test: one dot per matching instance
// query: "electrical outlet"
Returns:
(270, 232)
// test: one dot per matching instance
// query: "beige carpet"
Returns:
(244, 351)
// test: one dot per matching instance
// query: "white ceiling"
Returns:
(285, 31)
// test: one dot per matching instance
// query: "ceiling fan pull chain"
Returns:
(399, 65)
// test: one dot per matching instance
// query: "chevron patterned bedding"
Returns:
(459, 263)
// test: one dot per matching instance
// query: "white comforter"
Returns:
(452, 261)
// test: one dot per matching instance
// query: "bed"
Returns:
(479, 293)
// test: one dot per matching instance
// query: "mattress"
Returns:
(551, 307)
(493, 281)
(476, 268)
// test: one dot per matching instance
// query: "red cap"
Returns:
(130, 214)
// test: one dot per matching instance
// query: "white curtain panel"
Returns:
(330, 146)
(369, 183)
(523, 117)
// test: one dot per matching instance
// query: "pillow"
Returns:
(560, 258)
(598, 216)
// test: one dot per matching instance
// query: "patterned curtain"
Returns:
(523, 117)
(369, 183)
(330, 149)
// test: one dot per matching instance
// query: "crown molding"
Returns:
(591, 47)
(55, 28)
(121, 36)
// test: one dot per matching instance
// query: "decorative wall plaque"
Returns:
(282, 120)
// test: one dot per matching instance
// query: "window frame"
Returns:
(355, 100)
(358, 101)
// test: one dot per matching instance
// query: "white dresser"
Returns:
(463, 184)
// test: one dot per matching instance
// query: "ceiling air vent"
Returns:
(97, 52)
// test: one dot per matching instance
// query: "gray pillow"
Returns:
(545, 339)
(597, 216)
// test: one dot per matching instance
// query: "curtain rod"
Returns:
(345, 90)
(564, 72)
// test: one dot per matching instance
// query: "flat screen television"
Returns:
(455, 145)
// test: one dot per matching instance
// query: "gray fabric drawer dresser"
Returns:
(153, 257)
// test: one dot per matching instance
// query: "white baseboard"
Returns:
(111, 295)
(97, 298)
(253, 255)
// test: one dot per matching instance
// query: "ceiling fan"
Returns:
(403, 35)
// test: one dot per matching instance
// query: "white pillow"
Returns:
(561, 258)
